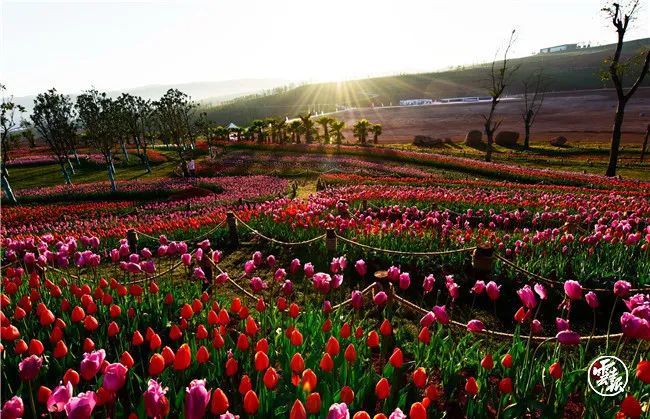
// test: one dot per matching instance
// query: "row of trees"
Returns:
(106, 125)
(109, 126)
(324, 129)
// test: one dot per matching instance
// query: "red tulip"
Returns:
(219, 404)
(386, 329)
(244, 384)
(309, 380)
(202, 355)
(71, 376)
(505, 385)
(506, 361)
(631, 407)
(471, 387)
(382, 389)
(418, 411)
(60, 350)
(643, 371)
(346, 395)
(350, 354)
(420, 377)
(313, 403)
(487, 362)
(156, 365)
(397, 358)
(261, 361)
(183, 358)
(251, 402)
(332, 346)
(270, 378)
(555, 370)
(297, 363)
(35, 347)
(373, 339)
(326, 363)
(127, 360)
(168, 355)
(298, 411)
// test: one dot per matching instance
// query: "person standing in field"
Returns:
(191, 167)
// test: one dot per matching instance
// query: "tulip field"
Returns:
(334, 282)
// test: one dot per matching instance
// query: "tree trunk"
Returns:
(375, 138)
(490, 141)
(66, 175)
(111, 178)
(71, 166)
(6, 187)
(526, 135)
(645, 142)
(76, 156)
(616, 140)
(126, 154)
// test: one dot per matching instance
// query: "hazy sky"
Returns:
(113, 45)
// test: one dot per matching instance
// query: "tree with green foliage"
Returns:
(53, 117)
(308, 127)
(325, 122)
(499, 78)
(360, 130)
(376, 132)
(618, 69)
(205, 127)
(258, 127)
(175, 111)
(294, 128)
(8, 122)
(102, 120)
(337, 128)
(136, 111)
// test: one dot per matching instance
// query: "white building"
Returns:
(415, 102)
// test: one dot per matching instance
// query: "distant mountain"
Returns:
(206, 92)
(563, 71)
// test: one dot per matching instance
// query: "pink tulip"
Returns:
(186, 259)
(428, 284)
(475, 326)
(196, 399)
(404, 280)
(163, 239)
(393, 274)
(478, 288)
(536, 327)
(270, 261)
(337, 280)
(81, 406)
(222, 278)
(205, 244)
(327, 306)
(338, 411)
(573, 289)
(309, 270)
(568, 337)
(257, 285)
(198, 273)
(257, 258)
(541, 291)
(397, 414)
(216, 256)
(294, 266)
(287, 287)
(249, 267)
(635, 327)
(30, 367)
(592, 300)
(322, 282)
(492, 291)
(622, 289)
(561, 324)
(527, 297)
(114, 377)
(13, 408)
(357, 299)
(380, 298)
(441, 314)
(59, 398)
(280, 274)
(199, 254)
(91, 363)
(361, 268)
(155, 403)
(428, 319)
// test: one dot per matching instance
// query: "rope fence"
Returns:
(280, 242)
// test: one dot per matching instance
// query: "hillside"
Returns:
(577, 70)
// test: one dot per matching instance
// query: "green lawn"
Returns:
(50, 175)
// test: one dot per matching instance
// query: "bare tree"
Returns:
(620, 20)
(499, 78)
(533, 92)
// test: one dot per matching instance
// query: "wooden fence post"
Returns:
(132, 240)
(483, 258)
(232, 228)
(330, 241)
